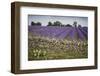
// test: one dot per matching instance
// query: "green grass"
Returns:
(42, 48)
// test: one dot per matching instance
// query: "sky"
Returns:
(44, 19)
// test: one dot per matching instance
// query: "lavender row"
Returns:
(59, 32)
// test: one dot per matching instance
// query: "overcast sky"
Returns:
(44, 19)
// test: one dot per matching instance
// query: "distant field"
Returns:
(48, 43)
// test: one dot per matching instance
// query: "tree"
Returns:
(32, 23)
(75, 23)
(49, 24)
(54, 24)
(38, 24)
(68, 25)
(79, 26)
(57, 23)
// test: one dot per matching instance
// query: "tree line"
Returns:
(36, 24)
(56, 23)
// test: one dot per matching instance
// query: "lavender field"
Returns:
(54, 42)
